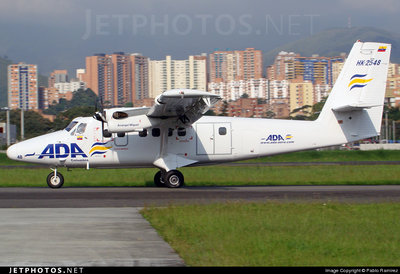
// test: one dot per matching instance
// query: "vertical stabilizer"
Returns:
(355, 104)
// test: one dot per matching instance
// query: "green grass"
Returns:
(301, 156)
(281, 234)
(212, 176)
(333, 156)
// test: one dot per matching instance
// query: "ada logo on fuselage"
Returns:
(277, 139)
(61, 151)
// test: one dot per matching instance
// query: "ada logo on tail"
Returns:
(358, 81)
(61, 151)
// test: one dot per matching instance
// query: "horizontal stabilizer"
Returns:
(353, 107)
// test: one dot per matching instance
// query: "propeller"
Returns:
(100, 116)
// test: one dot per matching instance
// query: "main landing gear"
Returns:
(171, 179)
(55, 179)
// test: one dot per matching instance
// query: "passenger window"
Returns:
(143, 133)
(81, 128)
(170, 132)
(155, 132)
(222, 131)
(181, 131)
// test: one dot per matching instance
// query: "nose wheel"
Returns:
(55, 179)
(171, 179)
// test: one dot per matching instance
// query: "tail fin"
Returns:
(356, 100)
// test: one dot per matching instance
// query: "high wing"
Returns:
(178, 107)
(187, 105)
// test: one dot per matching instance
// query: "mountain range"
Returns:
(333, 42)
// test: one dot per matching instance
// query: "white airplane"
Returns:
(173, 133)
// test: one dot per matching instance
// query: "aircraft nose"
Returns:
(12, 152)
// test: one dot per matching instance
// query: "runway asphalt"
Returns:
(74, 197)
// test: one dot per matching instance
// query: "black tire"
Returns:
(55, 181)
(158, 179)
(174, 179)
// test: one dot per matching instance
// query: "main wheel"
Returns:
(55, 181)
(158, 179)
(174, 179)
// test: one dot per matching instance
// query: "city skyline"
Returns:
(58, 34)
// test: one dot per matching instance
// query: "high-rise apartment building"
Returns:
(301, 94)
(283, 67)
(117, 78)
(250, 65)
(290, 66)
(316, 69)
(4, 81)
(99, 76)
(233, 90)
(23, 86)
(174, 74)
(58, 76)
(140, 76)
(226, 66)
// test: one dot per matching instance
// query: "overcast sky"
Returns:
(58, 34)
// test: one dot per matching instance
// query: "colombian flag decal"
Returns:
(382, 49)
(358, 81)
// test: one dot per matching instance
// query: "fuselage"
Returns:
(211, 139)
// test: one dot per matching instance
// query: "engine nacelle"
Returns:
(120, 121)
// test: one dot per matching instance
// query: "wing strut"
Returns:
(169, 161)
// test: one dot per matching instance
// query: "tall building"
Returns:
(250, 65)
(4, 81)
(290, 66)
(226, 66)
(301, 94)
(58, 76)
(140, 76)
(23, 86)
(99, 76)
(233, 90)
(222, 66)
(283, 67)
(174, 74)
(279, 89)
(316, 69)
(121, 78)
(117, 78)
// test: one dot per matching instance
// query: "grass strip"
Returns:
(212, 176)
(281, 234)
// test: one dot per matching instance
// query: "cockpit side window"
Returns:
(71, 125)
(81, 128)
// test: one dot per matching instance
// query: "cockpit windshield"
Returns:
(71, 125)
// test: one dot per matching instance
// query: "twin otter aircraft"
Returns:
(173, 133)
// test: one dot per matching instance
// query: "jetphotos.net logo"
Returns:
(358, 81)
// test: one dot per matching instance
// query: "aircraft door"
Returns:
(213, 138)
(222, 138)
(120, 139)
(205, 139)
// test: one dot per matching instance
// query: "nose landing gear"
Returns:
(55, 179)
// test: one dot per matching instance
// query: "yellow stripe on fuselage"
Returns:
(98, 148)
